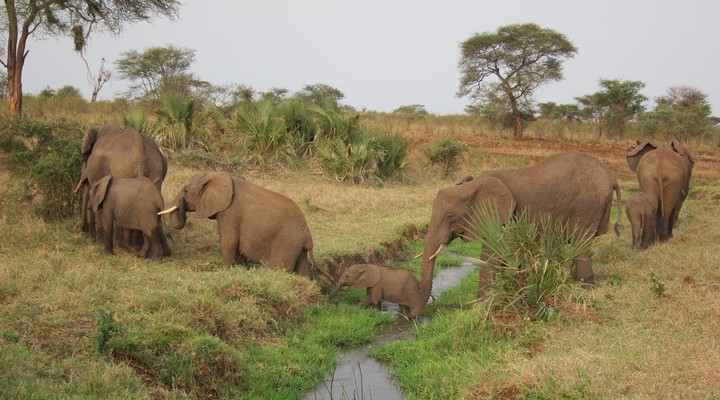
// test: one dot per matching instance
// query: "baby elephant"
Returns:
(396, 286)
(641, 210)
(131, 203)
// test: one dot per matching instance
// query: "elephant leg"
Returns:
(583, 269)
(145, 249)
(487, 275)
(302, 265)
(230, 248)
(166, 251)
(108, 235)
(373, 298)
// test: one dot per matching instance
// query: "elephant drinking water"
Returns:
(572, 187)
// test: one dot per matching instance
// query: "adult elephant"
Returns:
(663, 172)
(572, 187)
(121, 153)
(254, 223)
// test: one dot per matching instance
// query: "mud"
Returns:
(359, 376)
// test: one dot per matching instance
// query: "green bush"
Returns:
(445, 153)
(533, 263)
(46, 156)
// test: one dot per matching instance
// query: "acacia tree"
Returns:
(614, 106)
(75, 18)
(158, 69)
(510, 64)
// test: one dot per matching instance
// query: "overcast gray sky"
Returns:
(388, 53)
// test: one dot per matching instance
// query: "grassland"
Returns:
(77, 324)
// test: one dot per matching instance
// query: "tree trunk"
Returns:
(16, 54)
(518, 125)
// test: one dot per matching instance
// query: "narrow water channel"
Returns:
(359, 376)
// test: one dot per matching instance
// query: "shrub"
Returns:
(47, 157)
(180, 124)
(532, 265)
(446, 153)
(261, 135)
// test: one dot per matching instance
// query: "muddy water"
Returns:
(359, 376)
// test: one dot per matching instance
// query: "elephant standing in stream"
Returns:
(254, 223)
(121, 153)
(572, 187)
(398, 286)
(663, 172)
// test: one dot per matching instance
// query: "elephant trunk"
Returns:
(177, 213)
(340, 284)
(430, 252)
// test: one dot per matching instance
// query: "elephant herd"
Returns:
(123, 171)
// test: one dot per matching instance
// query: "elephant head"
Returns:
(635, 155)
(450, 211)
(205, 194)
(359, 276)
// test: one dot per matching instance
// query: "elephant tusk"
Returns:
(440, 248)
(78, 187)
(168, 211)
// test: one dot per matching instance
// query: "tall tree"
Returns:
(158, 69)
(683, 112)
(615, 105)
(510, 64)
(75, 18)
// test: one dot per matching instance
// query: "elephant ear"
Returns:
(633, 157)
(677, 145)
(216, 192)
(88, 142)
(368, 276)
(99, 191)
(494, 192)
(466, 178)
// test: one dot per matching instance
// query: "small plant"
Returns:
(616, 279)
(656, 286)
(532, 263)
(445, 154)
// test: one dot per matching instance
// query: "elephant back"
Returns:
(126, 153)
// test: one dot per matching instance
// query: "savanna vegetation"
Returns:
(75, 323)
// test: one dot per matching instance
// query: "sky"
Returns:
(383, 54)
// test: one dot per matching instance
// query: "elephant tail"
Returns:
(315, 265)
(661, 196)
(618, 225)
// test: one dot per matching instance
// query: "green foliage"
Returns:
(532, 262)
(494, 65)
(136, 119)
(158, 69)
(445, 154)
(656, 285)
(613, 107)
(261, 136)
(47, 157)
(684, 112)
(180, 125)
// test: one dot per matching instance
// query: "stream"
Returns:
(359, 376)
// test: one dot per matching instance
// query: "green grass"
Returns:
(75, 323)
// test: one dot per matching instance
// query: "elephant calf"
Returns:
(131, 203)
(396, 286)
(641, 210)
